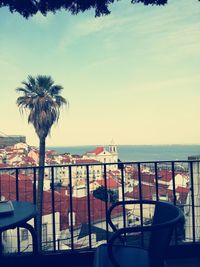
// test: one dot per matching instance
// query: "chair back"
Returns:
(166, 217)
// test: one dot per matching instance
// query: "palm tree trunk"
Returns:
(40, 192)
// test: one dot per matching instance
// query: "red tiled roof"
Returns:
(97, 150)
(61, 201)
(4, 165)
(12, 156)
(80, 207)
(86, 161)
(77, 156)
(65, 160)
(145, 177)
(8, 188)
(25, 177)
(183, 194)
(181, 189)
(28, 159)
(148, 191)
(165, 175)
(115, 172)
(22, 164)
(111, 183)
(50, 152)
(51, 161)
(8, 148)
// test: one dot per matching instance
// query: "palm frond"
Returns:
(60, 100)
(55, 90)
(44, 82)
(23, 90)
(31, 80)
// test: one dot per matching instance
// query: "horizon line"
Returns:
(184, 144)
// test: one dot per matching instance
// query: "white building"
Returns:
(105, 156)
(22, 146)
(188, 209)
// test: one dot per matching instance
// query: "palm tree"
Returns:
(41, 97)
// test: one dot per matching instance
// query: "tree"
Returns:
(105, 195)
(41, 97)
(29, 8)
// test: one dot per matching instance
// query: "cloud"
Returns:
(176, 21)
(101, 63)
(178, 84)
(91, 26)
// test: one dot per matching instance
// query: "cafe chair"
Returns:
(143, 243)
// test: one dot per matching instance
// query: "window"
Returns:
(5, 236)
(73, 218)
(44, 232)
(24, 234)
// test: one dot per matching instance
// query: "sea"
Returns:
(140, 152)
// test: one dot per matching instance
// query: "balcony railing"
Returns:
(77, 197)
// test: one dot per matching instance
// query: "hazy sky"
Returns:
(132, 76)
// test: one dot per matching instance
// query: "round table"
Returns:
(23, 212)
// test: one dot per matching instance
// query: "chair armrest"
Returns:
(134, 229)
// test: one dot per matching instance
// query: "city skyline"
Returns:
(131, 76)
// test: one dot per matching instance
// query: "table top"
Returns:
(23, 212)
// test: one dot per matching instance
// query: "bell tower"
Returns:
(113, 147)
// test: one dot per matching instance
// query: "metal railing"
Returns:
(77, 197)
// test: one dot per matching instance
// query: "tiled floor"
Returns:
(178, 263)
(187, 262)
(194, 262)
(53, 261)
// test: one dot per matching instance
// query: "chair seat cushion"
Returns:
(125, 256)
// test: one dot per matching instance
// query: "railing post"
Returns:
(71, 207)
(173, 183)
(174, 196)
(141, 197)
(106, 202)
(17, 198)
(88, 204)
(192, 198)
(123, 194)
(34, 193)
(156, 177)
(53, 209)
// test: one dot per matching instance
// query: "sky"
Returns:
(132, 76)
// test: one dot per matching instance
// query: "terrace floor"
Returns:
(189, 262)
(86, 261)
